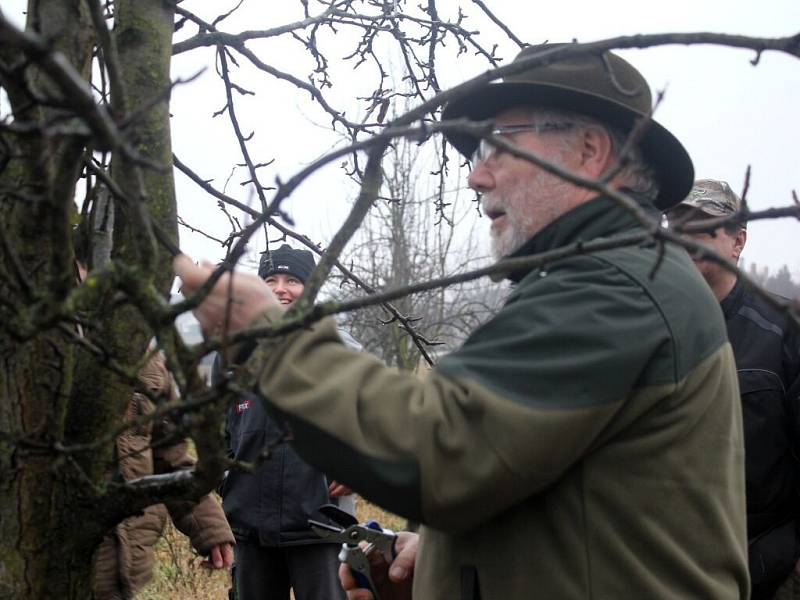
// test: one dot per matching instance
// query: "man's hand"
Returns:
(397, 585)
(336, 490)
(220, 557)
(247, 295)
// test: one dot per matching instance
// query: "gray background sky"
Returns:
(728, 113)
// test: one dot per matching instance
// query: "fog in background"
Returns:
(726, 111)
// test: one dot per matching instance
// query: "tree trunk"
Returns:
(53, 509)
(38, 558)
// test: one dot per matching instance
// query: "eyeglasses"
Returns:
(486, 148)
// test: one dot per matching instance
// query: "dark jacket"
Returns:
(767, 351)
(125, 558)
(272, 505)
(586, 442)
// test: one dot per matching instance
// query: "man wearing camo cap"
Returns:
(708, 199)
(713, 198)
(767, 352)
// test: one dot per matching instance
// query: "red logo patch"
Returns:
(242, 406)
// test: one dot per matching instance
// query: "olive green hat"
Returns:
(611, 90)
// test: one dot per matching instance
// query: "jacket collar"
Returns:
(733, 301)
(600, 217)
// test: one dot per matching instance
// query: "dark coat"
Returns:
(272, 505)
(767, 351)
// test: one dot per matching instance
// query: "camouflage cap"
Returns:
(715, 198)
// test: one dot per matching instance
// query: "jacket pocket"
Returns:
(771, 472)
(772, 556)
(768, 459)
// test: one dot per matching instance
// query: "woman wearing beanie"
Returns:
(268, 510)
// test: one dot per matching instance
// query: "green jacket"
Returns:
(584, 443)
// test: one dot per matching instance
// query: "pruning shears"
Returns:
(347, 530)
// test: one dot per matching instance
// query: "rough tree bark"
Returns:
(54, 512)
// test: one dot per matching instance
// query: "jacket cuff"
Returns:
(206, 525)
(268, 317)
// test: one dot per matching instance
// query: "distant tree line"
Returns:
(780, 282)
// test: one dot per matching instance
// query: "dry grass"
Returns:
(179, 576)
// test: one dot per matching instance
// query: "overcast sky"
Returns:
(728, 113)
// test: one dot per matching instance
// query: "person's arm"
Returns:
(792, 355)
(497, 421)
(530, 393)
(203, 522)
(336, 489)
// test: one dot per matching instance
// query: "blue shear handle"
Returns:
(362, 581)
(358, 562)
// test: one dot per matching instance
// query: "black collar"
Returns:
(601, 217)
(733, 301)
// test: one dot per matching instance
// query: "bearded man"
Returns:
(586, 442)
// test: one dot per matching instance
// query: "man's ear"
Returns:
(597, 151)
(740, 239)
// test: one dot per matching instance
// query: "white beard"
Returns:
(528, 208)
(511, 239)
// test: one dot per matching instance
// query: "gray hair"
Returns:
(636, 173)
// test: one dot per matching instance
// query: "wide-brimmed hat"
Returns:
(605, 87)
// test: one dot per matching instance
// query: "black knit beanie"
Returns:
(287, 260)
